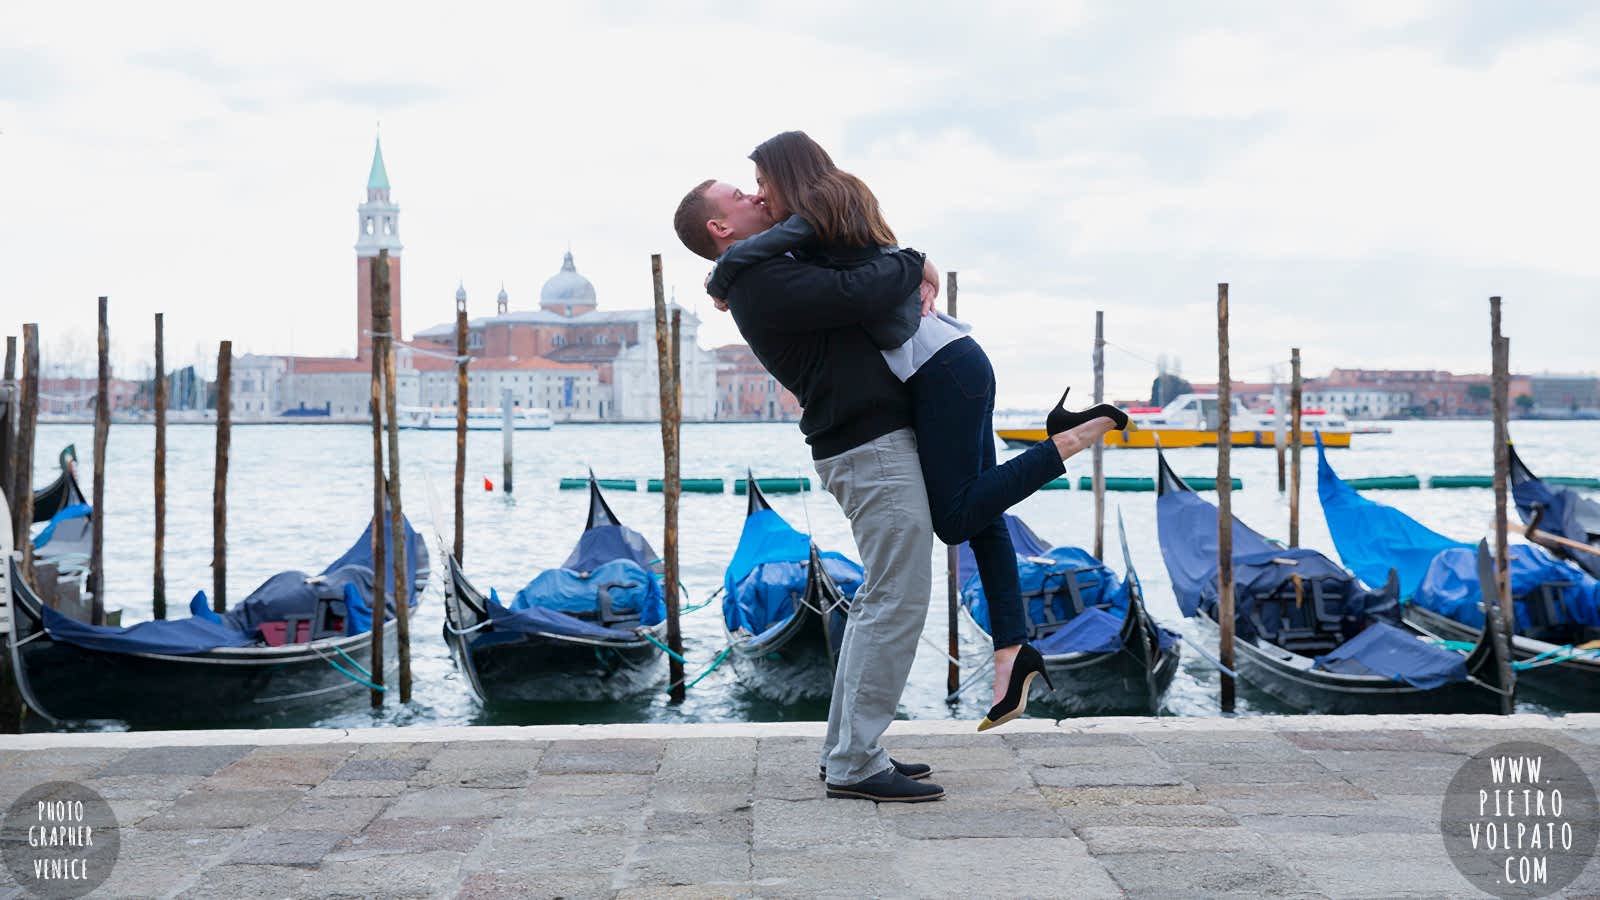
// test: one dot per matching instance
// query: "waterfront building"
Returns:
(569, 333)
(747, 392)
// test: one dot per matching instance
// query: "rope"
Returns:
(707, 671)
(664, 648)
(347, 673)
(359, 667)
(458, 631)
(1209, 658)
(938, 649)
(970, 680)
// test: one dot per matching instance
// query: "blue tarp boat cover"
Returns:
(1397, 655)
(283, 595)
(75, 511)
(181, 637)
(1373, 538)
(296, 594)
(1451, 589)
(1042, 572)
(604, 543)
(1567, 513)
(542, 620)
(633, 591)
(1091, 631)
(768, 573)
(1187, 524)
(360, 554)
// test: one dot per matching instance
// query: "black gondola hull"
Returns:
(64, 682)
(505, 668)
(795, 665)
(1291, 680)
(1573, 683)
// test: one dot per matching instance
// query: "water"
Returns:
(298, 495)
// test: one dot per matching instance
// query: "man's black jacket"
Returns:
(804, 323)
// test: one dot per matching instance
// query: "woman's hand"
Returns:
(929, 287)
(721, 303)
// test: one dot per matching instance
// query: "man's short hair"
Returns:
(694, 211)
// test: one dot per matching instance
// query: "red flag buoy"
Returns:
(487, 484)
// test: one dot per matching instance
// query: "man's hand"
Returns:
(930, 286)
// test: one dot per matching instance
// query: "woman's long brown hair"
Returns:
(838, 205)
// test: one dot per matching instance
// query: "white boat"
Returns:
(479, 418)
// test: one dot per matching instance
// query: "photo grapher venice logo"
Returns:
(60, 840)
(1520, 819)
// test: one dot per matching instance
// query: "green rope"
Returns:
(1458, 646)
(359, 668)
(712, 668)
(689, 609)
(665, 649)
(354, 677)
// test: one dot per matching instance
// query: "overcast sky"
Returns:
(1365, 176)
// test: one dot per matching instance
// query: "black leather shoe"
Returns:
(913, 771)
(1061, 420)
(1029, 665)
(888, 786)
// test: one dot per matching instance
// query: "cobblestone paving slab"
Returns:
(1292, 807)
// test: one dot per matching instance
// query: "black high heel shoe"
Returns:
(1061, 420)
(1028, 665)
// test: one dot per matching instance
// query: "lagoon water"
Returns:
(299, 494)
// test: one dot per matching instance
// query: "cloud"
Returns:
(1363, 174)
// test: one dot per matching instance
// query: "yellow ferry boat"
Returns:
(1191, 421)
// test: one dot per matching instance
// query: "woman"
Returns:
(831, 217)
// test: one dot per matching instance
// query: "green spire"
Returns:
(379, 179)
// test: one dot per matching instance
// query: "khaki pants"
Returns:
(879, 485)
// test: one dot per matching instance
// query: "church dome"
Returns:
(567, 287)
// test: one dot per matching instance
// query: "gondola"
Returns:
(1549, 509)
(1307, 632)
(1103, 652)
(590, 630)
(784, 606)
(298, 642)
(1557, 605)
(67, 539)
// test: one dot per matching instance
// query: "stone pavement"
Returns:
(1300, 806)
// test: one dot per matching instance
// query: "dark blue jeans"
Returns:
(953, 404)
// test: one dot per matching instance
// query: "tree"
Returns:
(1167, 387)
(1524, 403)
(1478, 392)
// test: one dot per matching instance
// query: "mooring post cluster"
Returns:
(388, 519)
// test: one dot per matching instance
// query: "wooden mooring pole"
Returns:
(1278, 437)
(1097, 453)
(380, 485)
(219, 488)
(102, 434)
(22, 467)
(508, 431)
(666, 367)
(1294, 446)
(10, 399)
(1500, 350)
(1224, 499)
(461, 421)
(384, 338)
(952, 563)
(158, 587)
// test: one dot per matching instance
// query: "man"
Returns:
(803, 323)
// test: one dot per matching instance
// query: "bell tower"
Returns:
(378, 228)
